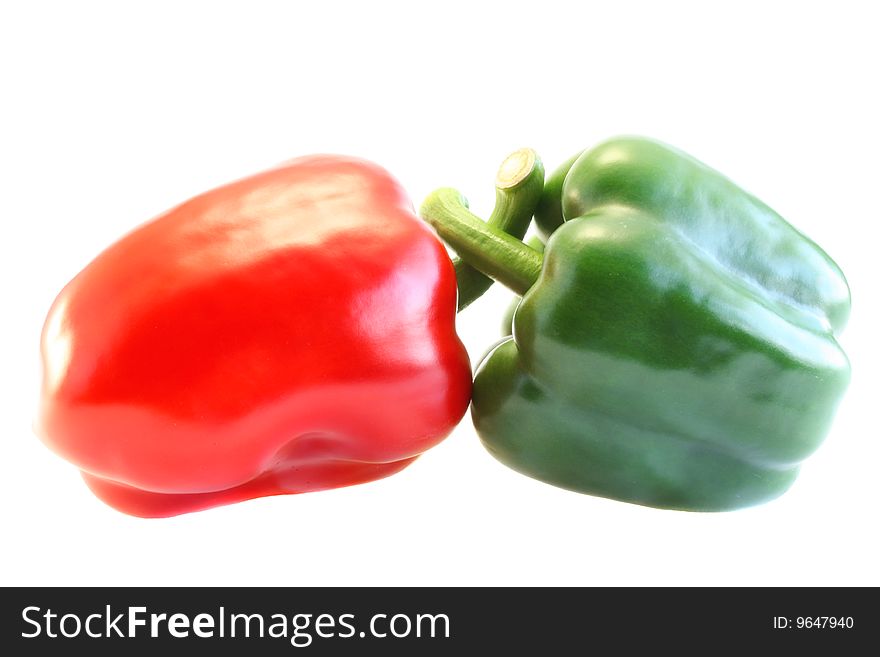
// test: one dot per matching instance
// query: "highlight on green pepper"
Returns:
(675, 345)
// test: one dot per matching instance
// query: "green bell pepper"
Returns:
(675, 344)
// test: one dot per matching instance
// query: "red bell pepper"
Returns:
(290, 332)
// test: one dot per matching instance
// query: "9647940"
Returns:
(813, 623)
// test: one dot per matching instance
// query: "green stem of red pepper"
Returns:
(485, 247)
(518, 187)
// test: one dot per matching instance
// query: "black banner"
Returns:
(318, 621)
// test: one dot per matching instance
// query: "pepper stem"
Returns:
(518, 187)
(481, 245)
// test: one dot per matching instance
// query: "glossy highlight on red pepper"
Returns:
(293, 331)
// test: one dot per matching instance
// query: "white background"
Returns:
(112, 113)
